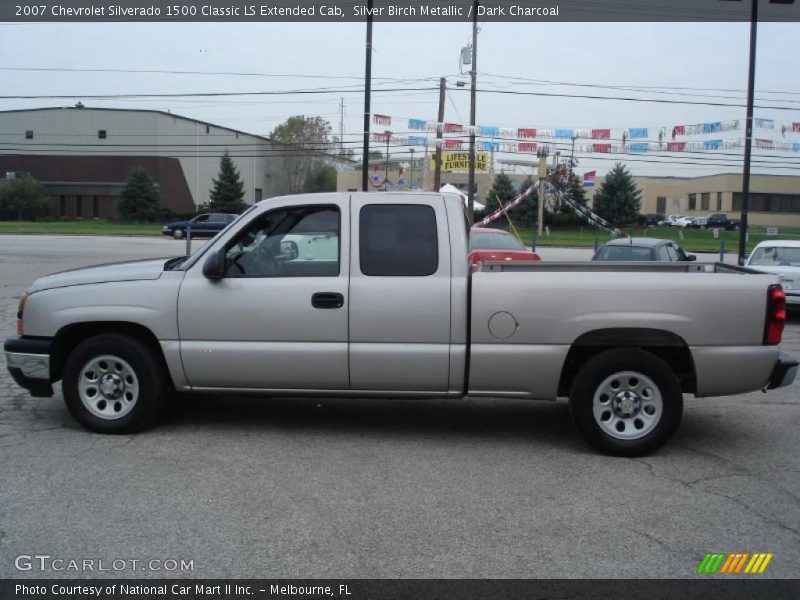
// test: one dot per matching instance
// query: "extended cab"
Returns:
(371, 295)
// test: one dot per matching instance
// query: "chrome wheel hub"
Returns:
(108, 387)
(627, 405)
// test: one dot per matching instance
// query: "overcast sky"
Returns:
(689, 55)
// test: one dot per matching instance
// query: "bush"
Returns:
(23, 198)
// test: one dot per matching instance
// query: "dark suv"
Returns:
(721, 221)
(205, 225)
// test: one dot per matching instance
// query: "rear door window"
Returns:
(398, 240)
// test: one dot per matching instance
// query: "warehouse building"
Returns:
(83, 156)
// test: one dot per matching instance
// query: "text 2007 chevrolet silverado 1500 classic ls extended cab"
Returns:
(370, 295)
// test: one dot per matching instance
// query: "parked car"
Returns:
(670, 220)
(721, 221)
(782, 258)
(205, 225)
(495, 244)
(653, 219)
(641, 249)
(392, 310)
(686, 222)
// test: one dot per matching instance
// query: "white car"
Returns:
(670, 220)
(685, 222)
(782, 258)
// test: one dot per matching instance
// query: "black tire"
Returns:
(177, 234)
(590, 380)
(146, 370)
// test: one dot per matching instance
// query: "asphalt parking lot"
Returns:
(371, 488)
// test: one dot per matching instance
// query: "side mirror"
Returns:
(289, 250)
(691, 257)
(214, 267)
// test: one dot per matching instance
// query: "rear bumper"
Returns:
(784, 372)
(28, 362)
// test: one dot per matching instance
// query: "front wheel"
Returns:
(626, 402)
(113, 384)
(177, 234)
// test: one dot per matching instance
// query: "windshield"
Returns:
(776, 256)
(195, 256)
(486, 240)
(624, 253)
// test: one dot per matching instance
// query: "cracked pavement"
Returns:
(290, 487)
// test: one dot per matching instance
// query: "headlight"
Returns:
(20, 310)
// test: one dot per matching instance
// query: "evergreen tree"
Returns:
(574, 190)
(502, 188)
(140, 199)
(227, 196)
(618, 200)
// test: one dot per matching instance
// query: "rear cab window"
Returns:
(398, 240)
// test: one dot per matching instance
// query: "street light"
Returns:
(748, 135)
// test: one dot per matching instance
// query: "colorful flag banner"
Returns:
(601, 134)
(452, 144)
(604, 148)
(381, 119)
(453, 128)
(795, 127)
(417, 124)
(588, 178)
(678, 130)
(563, 133)
(639, 147)
(764, 123)
(382, 137)
(527, 147)
(712, 127)
(676, 146)
(761, 143)
(489, 131)
(712, 144)
(527, 132)
(417, 140)
(488, 146)
(638, 132)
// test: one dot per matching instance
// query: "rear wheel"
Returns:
(626, 402)
(113, 384)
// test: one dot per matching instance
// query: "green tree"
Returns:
(618, 200)
(323, 181)
(304, 147)
(140, 199)
(23, 198)
(574, 190)
(227, 195)
(502, 188)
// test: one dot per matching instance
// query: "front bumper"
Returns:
(784, 372)
(28, 361)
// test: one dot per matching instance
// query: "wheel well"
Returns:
(69, 336)
(669, 347)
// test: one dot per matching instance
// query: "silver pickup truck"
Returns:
(371, 295)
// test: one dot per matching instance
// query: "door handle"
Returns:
(327, 300)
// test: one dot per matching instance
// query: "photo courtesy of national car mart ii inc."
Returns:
(175, 589)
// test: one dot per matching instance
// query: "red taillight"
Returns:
(776, 315)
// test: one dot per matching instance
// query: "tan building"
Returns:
(774, 199)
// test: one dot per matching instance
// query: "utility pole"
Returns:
(388, 135)
(411, 177)
(473, 75)
(367, 93)
(542, 154)
(748, 135)
(341, 126)
(437, 158)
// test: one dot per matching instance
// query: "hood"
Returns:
(123, 271)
